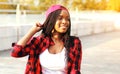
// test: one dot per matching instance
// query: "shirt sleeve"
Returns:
(20, 51)
(78, 57)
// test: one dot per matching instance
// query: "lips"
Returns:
(64, 27)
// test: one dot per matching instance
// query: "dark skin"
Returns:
(61, 26)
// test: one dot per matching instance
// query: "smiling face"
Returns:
(63, 22)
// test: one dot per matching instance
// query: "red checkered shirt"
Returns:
(40, 43)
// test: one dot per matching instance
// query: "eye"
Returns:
(59, 18)
(62, 17)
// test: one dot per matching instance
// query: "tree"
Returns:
(77, 4)
(4, 5)
(114, 5)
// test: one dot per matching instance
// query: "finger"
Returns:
(39, 25)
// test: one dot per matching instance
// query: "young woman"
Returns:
(54, 51)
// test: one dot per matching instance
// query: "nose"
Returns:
(64, 21)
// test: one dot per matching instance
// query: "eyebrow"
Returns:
(62, 16)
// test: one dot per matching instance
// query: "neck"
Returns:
(56, 37)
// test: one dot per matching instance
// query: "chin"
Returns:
(63, 32)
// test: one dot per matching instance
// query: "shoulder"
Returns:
(42, 38)
(39, 37)
(75, 39)
(75, 43)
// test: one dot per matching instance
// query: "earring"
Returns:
(53, 31)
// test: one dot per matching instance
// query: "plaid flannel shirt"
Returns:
(38, 44)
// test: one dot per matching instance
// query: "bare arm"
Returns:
(23, 41)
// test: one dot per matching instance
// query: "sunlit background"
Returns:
(88, 16)
(42, 5)
(95, 22)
